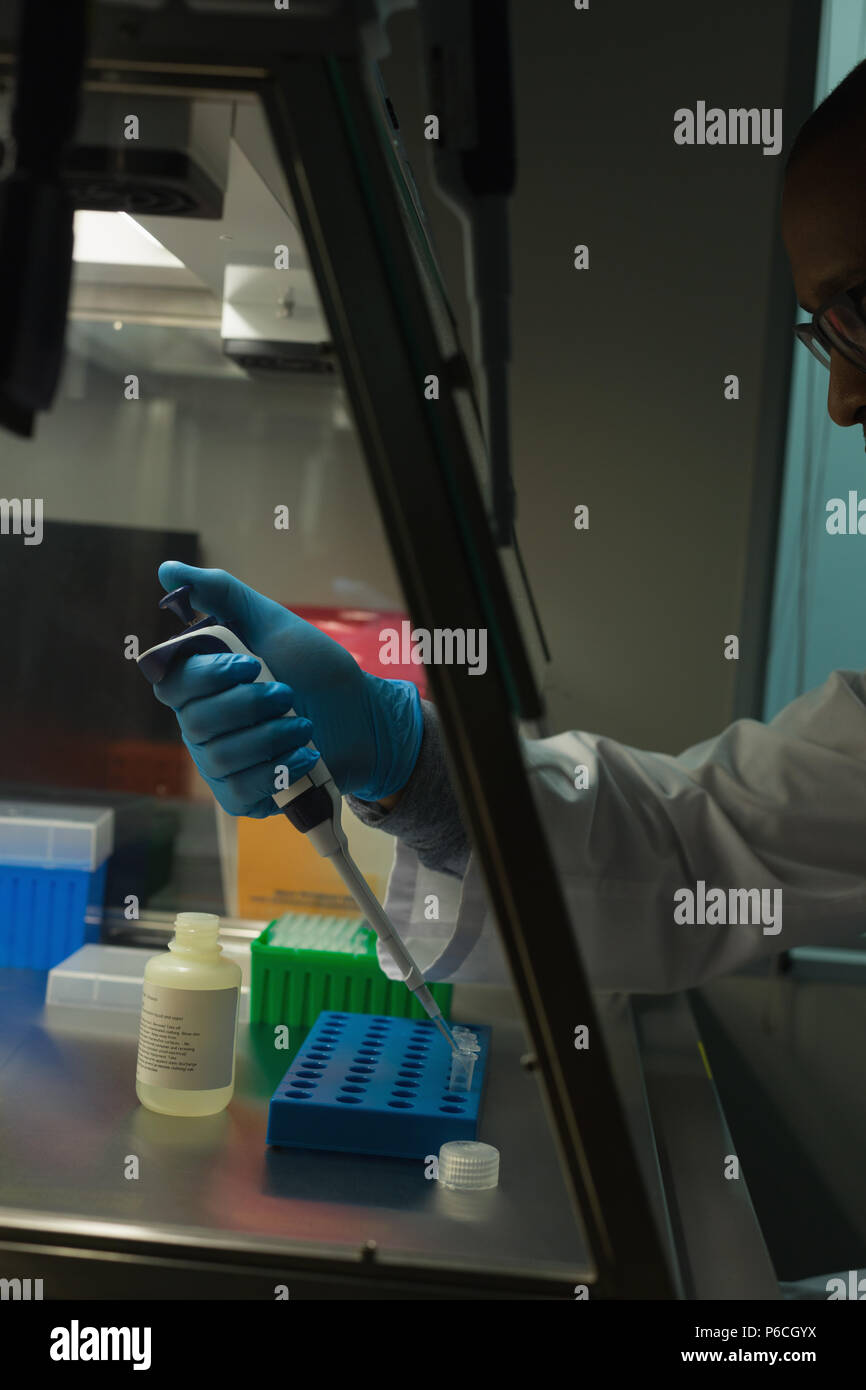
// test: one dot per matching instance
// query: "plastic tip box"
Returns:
(110, 977)
(304, 962)
(369, 1084)
(53, 860)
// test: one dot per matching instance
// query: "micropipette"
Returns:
(313, 803)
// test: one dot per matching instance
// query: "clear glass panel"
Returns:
(202, 417)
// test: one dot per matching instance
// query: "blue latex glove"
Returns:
(368, 730)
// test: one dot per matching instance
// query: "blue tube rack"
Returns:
(366, 1084)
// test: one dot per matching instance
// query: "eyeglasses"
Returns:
(839, 324)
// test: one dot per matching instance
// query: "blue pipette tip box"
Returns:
(366, 1084)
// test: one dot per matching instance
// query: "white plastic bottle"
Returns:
(189, 1019)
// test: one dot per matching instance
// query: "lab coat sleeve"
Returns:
(777, 806)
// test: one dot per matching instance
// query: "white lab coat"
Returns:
(777, 806)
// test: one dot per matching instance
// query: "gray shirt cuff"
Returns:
(426, 818)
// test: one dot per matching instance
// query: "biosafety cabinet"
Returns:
(257, 328)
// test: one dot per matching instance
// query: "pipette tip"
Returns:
(446, 1033)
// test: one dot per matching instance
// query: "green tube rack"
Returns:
(304, 963)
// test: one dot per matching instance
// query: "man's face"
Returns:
(824, 229)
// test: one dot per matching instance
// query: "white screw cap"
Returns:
(468, 1166)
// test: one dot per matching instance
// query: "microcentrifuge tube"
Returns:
(463, 1062)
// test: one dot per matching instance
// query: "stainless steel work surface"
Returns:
(71, 1131)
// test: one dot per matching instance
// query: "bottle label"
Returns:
(187, 1037)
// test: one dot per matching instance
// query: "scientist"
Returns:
(779, 807)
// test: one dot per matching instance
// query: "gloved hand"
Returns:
(368, 730)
